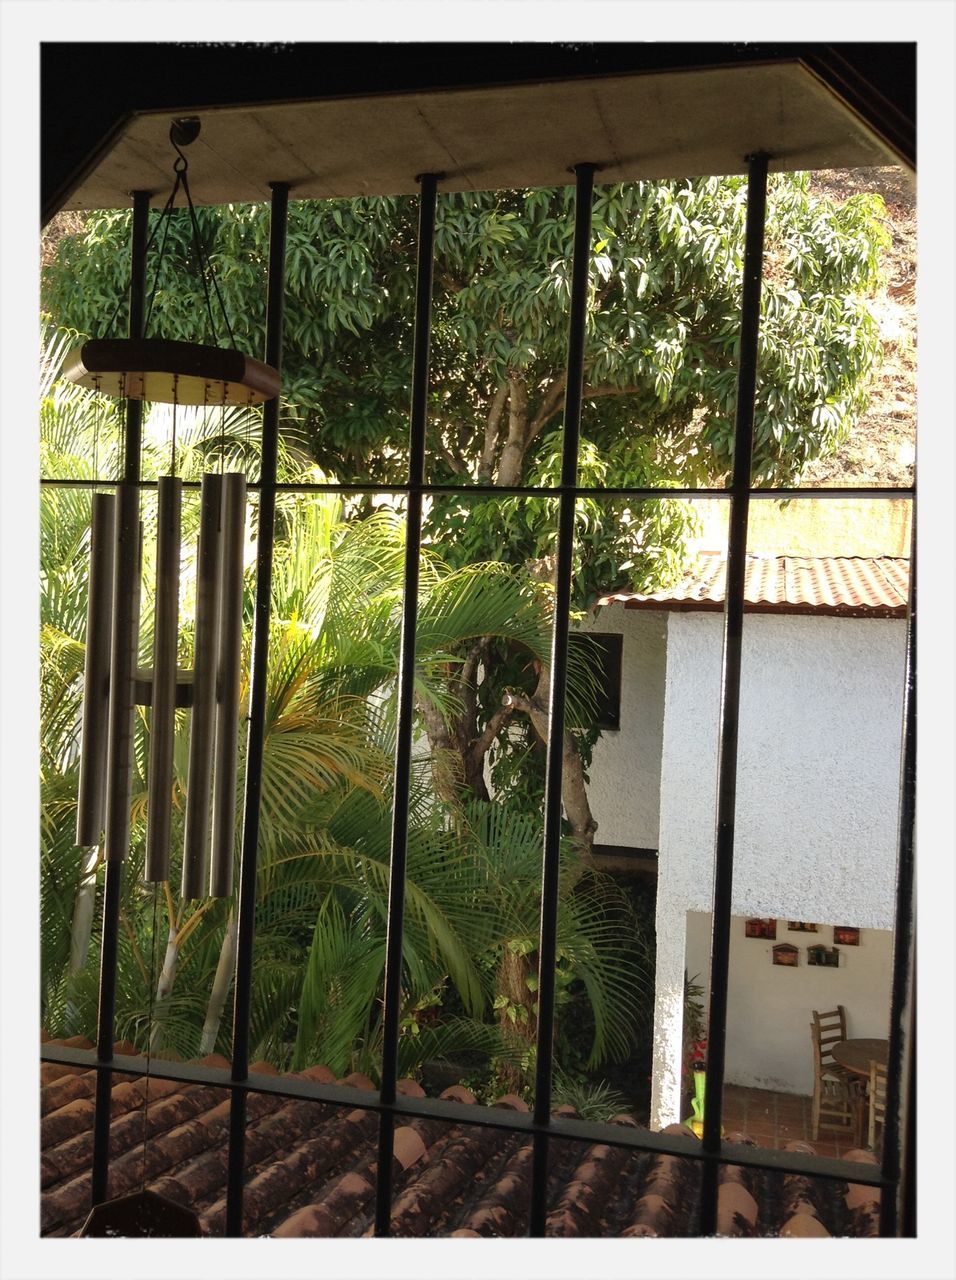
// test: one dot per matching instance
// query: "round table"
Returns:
(856, 1055)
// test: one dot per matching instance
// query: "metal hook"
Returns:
(182, 133)
(184, 130)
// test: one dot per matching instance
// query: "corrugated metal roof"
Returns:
(861, 586)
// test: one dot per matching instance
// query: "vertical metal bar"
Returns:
(91, 786)
(258, 677)
(901, 1059)
(730, 678)
(202, 729)
(550, 876)
(123, 652)
(162, 716)
(907, 1225)
(113, 885)
(227, 713)
(428, 198)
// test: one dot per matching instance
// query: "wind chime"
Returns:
(176, 373)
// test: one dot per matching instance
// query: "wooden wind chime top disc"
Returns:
(169, 372)
(141, 1214)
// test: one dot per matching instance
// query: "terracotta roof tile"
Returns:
(849, 585)
(310, 1170)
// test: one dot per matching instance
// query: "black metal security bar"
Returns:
(901, 1058)
(258, 683)
(391, 1015)
(113, 881)
(893, 1176)
(730, 678)
(529, 491)
(550, 874)
(452, 1113)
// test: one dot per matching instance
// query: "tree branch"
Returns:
(514, 700)
(574, 794)
(492, 425)
(610, 391)
(548, 408)
(482, 745)
(469, 667)
(456, 463)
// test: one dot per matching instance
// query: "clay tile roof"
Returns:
(311, 1170)
(852, 586)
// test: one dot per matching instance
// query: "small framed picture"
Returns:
(822, 955)
(801, 926)
(786, 953)
(757, 928)
(846, 935)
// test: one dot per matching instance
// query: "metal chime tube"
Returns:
(205, 675)
(125, 640)
(91, 792)
(227, 714)
(162, 724)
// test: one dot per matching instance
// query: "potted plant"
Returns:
(698, 1071)
(695, 1046)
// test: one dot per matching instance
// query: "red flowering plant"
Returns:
(695, 1030)
(698, 1054)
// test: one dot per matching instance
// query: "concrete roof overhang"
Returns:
(653, 124)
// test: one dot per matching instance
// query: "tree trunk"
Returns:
(82, 929)
(165, 985)
(448, 766)
(574, 793)
(168, 973)
(519, 1035)
(220, 988)
(511, 462)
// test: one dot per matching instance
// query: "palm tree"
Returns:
(472, 890)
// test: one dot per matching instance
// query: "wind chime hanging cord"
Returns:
(162, 221)
(180, 167)
(172, 451)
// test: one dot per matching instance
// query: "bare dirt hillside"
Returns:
(880, 449)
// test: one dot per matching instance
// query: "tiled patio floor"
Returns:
(774, 1119)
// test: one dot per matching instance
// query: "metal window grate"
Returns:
(895, 1176)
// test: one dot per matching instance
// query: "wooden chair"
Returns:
(837, 1093)
(877, 1101)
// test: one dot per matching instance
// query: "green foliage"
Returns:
(473, 886)
(662, 342)
(590, 1101)
(660, 389)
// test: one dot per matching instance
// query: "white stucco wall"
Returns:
(817, 787)
(768, 1005)
(625, 773)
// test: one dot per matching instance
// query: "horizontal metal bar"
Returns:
(559, 1127)
(529, 491)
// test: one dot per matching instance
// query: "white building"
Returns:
(817, 793)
